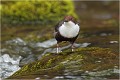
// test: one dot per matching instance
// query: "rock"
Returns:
(71, 65)
(29, 59)
(113, 42)
(47, 44)
(17, 41)
(17, 46)
(6, 58)
(53, 50)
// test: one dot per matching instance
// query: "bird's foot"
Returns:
(72, 49)
(58, 50)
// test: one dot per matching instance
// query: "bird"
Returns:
(66, 30)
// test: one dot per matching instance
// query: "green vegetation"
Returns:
(35, 11)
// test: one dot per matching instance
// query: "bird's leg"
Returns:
(72, 47)
(57, 47)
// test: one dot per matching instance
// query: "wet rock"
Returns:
(83, 44)
(113, 42)
(102, 73)
(71, 65)
(29, 59)
(116, 71)
(53, 50)
(45, 51)
(20, 47)
(59, 77)
(105, 34)
(47, 44)
(66, 63)
(17, 41)
(38, 78)
(17, 47)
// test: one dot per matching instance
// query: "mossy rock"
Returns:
(69, 63)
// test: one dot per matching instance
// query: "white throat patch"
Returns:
(69, 29)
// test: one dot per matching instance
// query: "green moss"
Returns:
(82, 59)
(32, 12)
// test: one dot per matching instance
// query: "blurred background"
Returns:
(26, 23)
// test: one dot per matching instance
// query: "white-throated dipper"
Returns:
(67, 30)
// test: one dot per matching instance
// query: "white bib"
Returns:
(69, 29)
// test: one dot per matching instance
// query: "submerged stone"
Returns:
(70, 64)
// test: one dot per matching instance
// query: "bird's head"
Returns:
(68, 18)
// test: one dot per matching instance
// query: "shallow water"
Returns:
(8, 65)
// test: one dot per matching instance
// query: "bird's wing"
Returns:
(58, 25)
